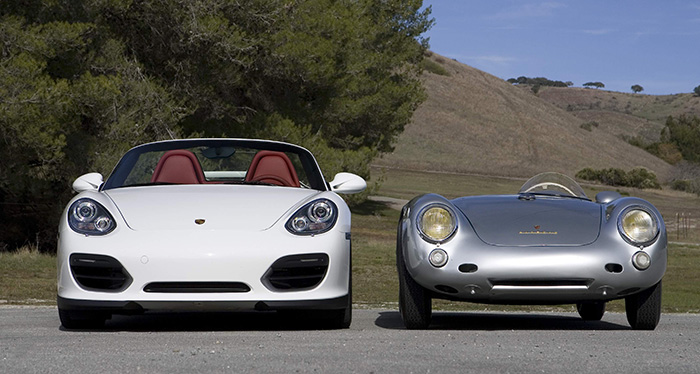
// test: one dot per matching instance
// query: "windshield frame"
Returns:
(126, 163)
(565, 186)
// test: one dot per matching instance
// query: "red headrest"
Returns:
(178, 166)
(272, 167)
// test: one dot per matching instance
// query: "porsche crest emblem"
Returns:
(200, 221)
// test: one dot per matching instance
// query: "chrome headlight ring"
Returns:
(88, 217)
(638, 225)
(436, 223)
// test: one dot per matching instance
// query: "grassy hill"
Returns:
(473, 122)
(648, 107)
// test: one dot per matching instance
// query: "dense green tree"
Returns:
(68, 104)
(81, 81)
(540, 81)
(684, 132)
(594, 84)
(637, 88)
(696, 90)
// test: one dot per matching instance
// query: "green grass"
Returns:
(27, 277)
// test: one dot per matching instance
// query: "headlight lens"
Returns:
(315, 217)
(437, 223)
(641, 260)
(87, 216)
(438, 257)
(638, 226)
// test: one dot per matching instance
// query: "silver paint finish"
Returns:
(568, 269)
(540, 220)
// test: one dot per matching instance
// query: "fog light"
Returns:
(438, 258)
(641, 260)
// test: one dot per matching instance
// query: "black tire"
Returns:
(644, 308)
(591, 311)
(340, 319)
(415, 302)
(74, 320)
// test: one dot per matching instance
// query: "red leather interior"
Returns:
(272, 167)
(178, 166)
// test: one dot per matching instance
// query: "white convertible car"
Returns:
(207, 225)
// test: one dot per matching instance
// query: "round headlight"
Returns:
(84, 211)
(320, 212)
(103, 223)
(438, 258)
(300, 223)
(437, 223)
(638, 226)
(641, 260)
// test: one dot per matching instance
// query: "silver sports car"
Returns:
(549, 244)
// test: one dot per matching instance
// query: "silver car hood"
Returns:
(543, 221)
(222, 207)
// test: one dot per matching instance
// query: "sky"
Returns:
(621, 43)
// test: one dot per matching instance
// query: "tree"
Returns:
(696, 90)
(68, 104)
(594, 84)
(637, 88)
(684, 132)
(540, 81)
(81, 81)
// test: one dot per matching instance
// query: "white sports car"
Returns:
(207, 225)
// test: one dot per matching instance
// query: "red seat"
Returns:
(272, 167)
(178, 166)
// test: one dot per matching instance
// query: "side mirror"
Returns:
(348, 183)
(88, 182)
(605, 197)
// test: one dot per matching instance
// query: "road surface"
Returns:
(32, 341)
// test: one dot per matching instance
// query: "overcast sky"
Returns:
(620, 43)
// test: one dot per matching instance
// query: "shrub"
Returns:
(637, 177)
(681, 185)
(642, 178)
(587, 174)
(433, 67)
(588, 126)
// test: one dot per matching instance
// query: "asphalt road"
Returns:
(31, 341)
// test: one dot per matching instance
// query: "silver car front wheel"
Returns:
(644, 308)
(415, 302)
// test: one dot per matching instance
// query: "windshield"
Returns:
(554, 184)
(217, 161)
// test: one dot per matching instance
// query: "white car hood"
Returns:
(222, 207)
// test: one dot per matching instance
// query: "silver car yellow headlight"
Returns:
(437, 223)
(637, 226)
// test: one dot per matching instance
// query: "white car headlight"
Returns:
(637, 226)
(87, 216)
(436, 223)
(315, 217)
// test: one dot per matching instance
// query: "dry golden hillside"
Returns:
(473, 122)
